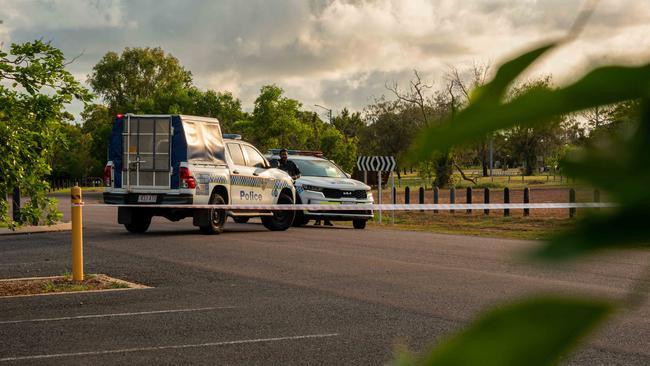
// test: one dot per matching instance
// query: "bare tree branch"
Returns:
(462, 173)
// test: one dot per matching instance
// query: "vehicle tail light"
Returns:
(187, 180)
(108, 170)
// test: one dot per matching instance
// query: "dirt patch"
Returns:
(61, 284)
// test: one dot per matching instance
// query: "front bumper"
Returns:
(310, 197)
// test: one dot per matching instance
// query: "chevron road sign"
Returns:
(376, 163)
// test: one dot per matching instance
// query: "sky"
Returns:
(335, 53)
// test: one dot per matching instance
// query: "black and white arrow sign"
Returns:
(376, 163)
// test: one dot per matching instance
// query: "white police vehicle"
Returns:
(323, 182)
(185, 160)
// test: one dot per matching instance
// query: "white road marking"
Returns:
(92, 316)
(159, 348)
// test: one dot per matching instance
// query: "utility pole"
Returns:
(329, 111)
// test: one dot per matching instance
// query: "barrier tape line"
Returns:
(375, 207)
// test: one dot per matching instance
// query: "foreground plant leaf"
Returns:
(532, 332)
(602, 86)
(624, 228)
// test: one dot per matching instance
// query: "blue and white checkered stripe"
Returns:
(204, 180)
(241, 180)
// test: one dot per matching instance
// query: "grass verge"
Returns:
(513, 227)
(61, 284)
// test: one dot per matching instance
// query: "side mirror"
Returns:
(348, 175)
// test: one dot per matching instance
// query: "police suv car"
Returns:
(185, 160)
(323, 182)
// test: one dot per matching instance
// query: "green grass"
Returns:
(90, 282)
(512, 227)
(83, 189)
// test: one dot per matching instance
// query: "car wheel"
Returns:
(359, 224)
(241, 220)
(139, 224)
(217, 216)
(281, 220)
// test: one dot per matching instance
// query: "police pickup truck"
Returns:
(183, 161)
(323, 182)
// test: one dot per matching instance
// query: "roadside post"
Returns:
(77, 235)
(377, 164)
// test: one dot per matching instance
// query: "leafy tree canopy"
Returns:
(34, 89)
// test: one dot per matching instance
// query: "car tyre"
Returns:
(217, 217)
(281, 220)
(359, 224)
(139, 224)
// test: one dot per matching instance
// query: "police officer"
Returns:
(287, 165)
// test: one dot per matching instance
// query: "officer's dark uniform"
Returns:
(289, 167)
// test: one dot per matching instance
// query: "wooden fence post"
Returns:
(407, 195)
(506, 199)
(394, 195)
(452, 197)
(421, 197)
(486, 200)
(469, 199)
(436, 197)
(572, 199)
(526, 200)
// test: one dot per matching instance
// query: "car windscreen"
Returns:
(318, 168)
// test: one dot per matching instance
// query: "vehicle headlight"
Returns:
(308, 187)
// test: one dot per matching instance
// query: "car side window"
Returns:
(236, 154)
(255, 159)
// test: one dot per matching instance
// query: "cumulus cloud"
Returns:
(334, 52)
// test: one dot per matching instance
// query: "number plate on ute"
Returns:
(147, 198)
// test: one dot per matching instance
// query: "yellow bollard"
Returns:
(77, 235)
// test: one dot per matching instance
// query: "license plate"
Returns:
(147, 198)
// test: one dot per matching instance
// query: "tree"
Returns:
(71, 158)
(432, 110)
(462, 86)
(336, 147)
(141, 80)
(34, 89)
(221, 105)
(97, 124)
(275, 122)
(148, 80)
(350, 124)
(527, 142)
(391, 127)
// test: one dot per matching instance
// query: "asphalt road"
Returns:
(330, 296)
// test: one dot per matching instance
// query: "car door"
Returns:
(263, 183)
(242, 178)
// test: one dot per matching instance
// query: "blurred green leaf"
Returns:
(602, 86)
(624, 228)
(537, 331)
(495, 90)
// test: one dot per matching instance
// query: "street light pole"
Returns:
(329, 111)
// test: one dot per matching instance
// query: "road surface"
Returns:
(313, 295)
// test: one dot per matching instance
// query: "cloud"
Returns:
(332, 52)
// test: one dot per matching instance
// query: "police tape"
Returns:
(371, 207)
